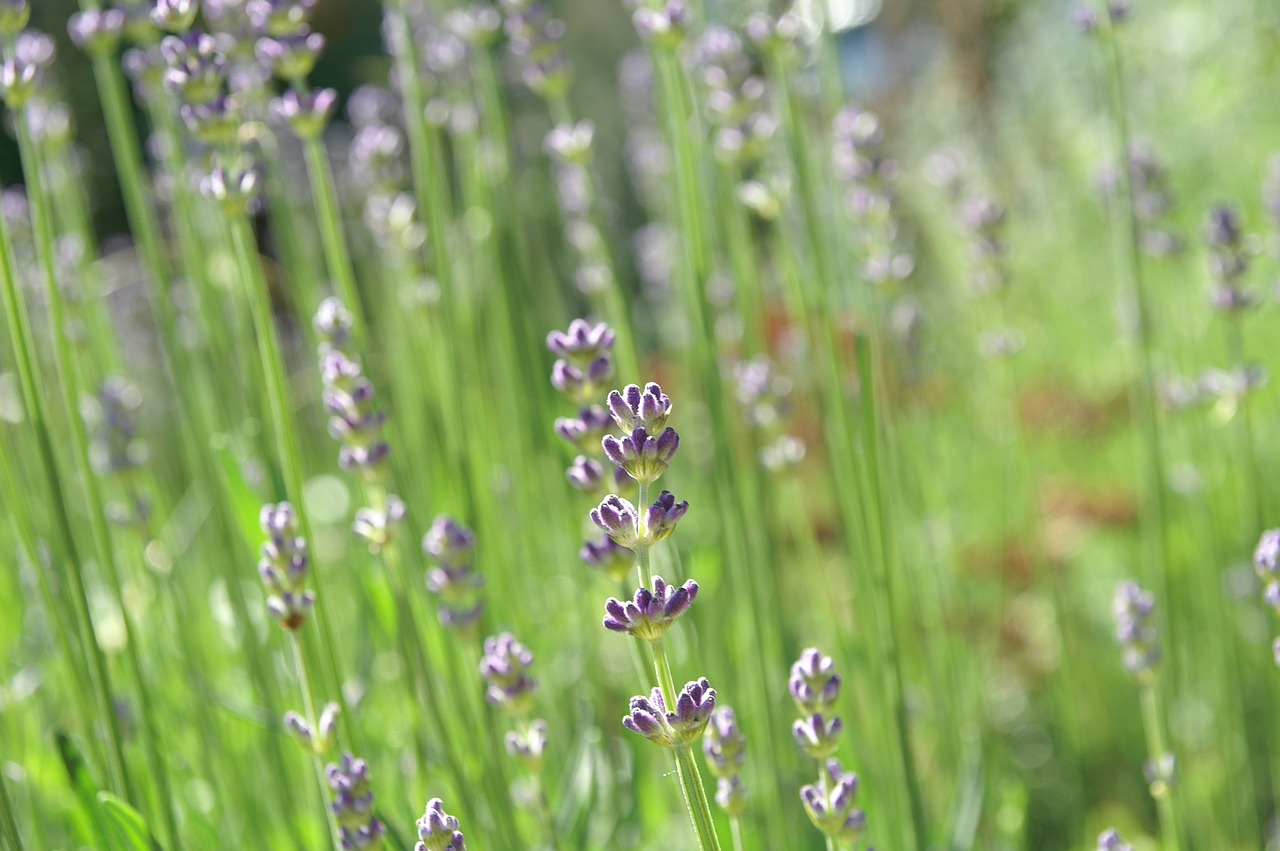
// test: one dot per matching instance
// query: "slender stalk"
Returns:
(1153, 726)
(695, 798)
(8, 820)
(309, 710)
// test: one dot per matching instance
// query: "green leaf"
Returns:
(130, 827)
(81, 781)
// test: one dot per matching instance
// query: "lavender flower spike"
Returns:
(818, 735)
(651, 613)
(644, 457)
(650, 718)
(1134, 631)
(814, 683)
(438, 831)
(609, 557)
(505, 667)
(726, 750)
(320, 740)
(284, 566)
(353, 803)
(529, 744)
(634, 408)
(832, 806)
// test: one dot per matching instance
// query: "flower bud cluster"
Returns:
(765, 396)
(831, 802)
(536, 40)
(284, 566)
(320, 739)
(438, 831)
(651, 613)
(1228, 262)
(1135, 632)
(1266, 561)
(725, 748)
(453, 578)
(26, 61)
(736, 96)
(1152, 199)
(678, 728)
(349, 397)
(352, 804)
(505, 669)
(863, 164)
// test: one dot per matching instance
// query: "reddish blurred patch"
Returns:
(1053, 407)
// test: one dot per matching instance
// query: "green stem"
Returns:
(642, 549)
(336, 252)
(309, 710)
(695, 798)
(1153, 726)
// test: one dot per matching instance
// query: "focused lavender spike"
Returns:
(505, 668)
(609, 557)
(633, 408)
(353, 803)
(649, 716)
(662, 516)
(618, 519)
(284, 566)
(643, 456)
(818, 735)
(1136, 634)
(651, 613)
(379, 527)
(1110, 840)
(814, 684)
(832, 806)
(438, 831)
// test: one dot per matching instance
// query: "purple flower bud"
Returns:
(505, 668)
(300, 730)
(651, 613)
(595, 479)
(724, 745)
(449, 542)
(731, 794)
(1110, 841)
(618, 519)
(583, 342)
(333, 322)
(644, 457)
(649, 716)
(665, 26)
(197, 69)
(634, 408)
(438, 831)
(571, 143)
(175, 16)
(831, 806)
(216, 122)
(608, 557)
(818, 735)
(582, 382)
(814, 683)
(95, 31)
(1084, 18)
(291, 57)
(235, 187)
(529, 744)
(663, 515)
(586, 430)
(1132, 609)
(379, 527)
(1266, 556)
(306, 113)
